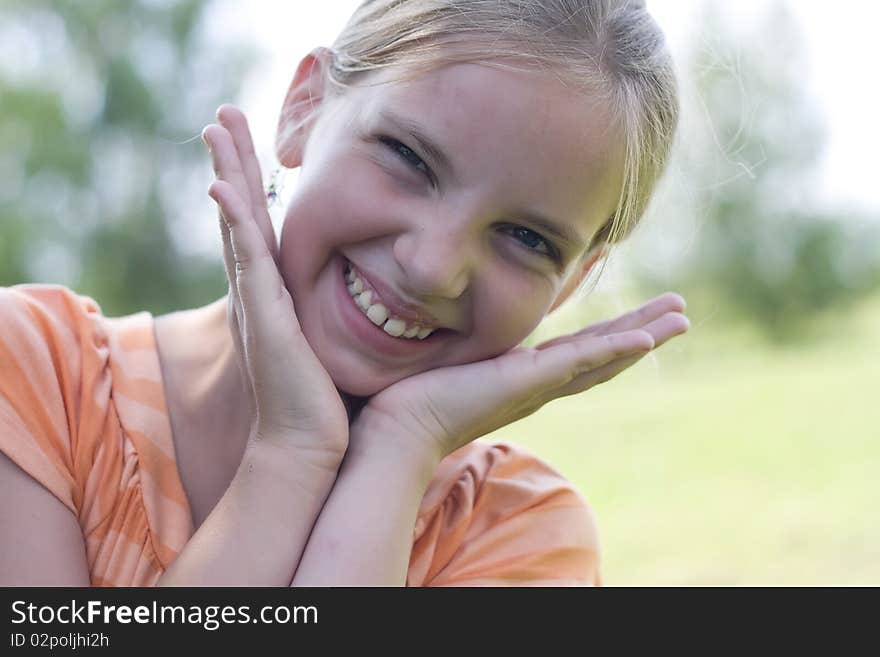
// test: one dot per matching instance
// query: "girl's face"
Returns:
(461, 231)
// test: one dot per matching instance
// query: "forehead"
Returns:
(523, 135)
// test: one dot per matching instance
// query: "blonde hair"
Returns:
(608, 47)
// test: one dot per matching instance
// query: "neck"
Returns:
(353, 404)
(206, 392)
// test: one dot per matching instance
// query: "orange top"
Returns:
(82, 411)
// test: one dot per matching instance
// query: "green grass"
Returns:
(722, 460)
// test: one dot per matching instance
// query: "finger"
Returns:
(638, 318)
(235, 309)
(238, 342)
(666, 302)
(219, 155)
(533, 372)
(667, 327)
(521, 380)
(225, 159)
(228, 256)
(228, 166)
(598, 376)
(663, 330)
(258, 282)
(235, 122)
(568, 360)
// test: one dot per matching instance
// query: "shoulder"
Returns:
(35, 311)
(496, 513)
(51, 353)
(51, 337)
(44, 295)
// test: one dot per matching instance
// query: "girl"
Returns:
(464, 165)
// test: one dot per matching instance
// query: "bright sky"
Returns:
(842, 63)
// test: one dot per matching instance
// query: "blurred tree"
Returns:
(93, 189)
(762, 244)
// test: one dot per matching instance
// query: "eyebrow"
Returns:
(560, 231)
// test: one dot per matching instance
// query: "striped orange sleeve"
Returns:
(507, 519)
(45, 383)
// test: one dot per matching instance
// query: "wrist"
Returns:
(372, 439)
(282, 451)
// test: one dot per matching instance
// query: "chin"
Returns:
(358, 383)
(359, 387)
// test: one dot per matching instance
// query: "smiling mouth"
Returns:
(374, 337)
(371, 304)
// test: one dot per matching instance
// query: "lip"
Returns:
(373, 336)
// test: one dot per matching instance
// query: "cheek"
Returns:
(299, 248)
(320, 218)
(342, 201)
(512, 313)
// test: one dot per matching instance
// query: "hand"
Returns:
(294, 401)
(443, 409)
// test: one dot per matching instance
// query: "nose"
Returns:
(437, 257)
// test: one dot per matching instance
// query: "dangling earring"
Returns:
(276, 184)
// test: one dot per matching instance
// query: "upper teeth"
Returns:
(378, 313)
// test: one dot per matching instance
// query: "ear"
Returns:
(299, 111)
(577, 277)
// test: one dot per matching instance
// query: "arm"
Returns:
(42, 543)
(258, 530)
(513, 521)
(364, 534)
(256, 534)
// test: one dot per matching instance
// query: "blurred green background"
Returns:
(745, 452)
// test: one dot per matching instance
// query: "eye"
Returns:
(407, 155)
(534, 242)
